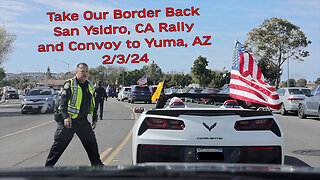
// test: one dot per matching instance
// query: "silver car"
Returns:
(310, 106)
(123, 93)
(38, 99)
(290, 98)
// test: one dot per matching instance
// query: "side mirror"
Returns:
(138, 109)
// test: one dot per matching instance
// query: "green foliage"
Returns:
(154, 73)
(269, 70)
(219, 79)
(317, 82)
(277, 40)
(6, 42)
(2, 74)
(181, 80)
(98, 73)
(200, 73)
(301, 83)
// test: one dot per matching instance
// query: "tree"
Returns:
(2, 74)
(292, 83)
(6, 42)
(98, 74)
(301, 83)
(277, 40)
(200, 73)
(317, 81)
(153, 72)
(269, 70)
(219, 79)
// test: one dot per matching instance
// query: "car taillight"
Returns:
(295, 99)
(135, 91)
(159, 123)
(256, 124)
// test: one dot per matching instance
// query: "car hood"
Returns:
(169, 171)
(38, 97)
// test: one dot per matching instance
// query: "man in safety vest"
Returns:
(77, 101)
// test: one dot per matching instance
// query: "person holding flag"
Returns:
(247, 82)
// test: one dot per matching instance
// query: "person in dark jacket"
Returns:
(100, 94)
(77, 101)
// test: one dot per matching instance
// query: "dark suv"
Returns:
(139, 93)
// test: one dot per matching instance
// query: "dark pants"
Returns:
(63, 136)
(99, 105)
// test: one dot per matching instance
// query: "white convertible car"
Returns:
(175, 131)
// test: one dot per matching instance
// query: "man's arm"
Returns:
(65, 96)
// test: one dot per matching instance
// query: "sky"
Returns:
(217, 21)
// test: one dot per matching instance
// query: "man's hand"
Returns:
(94, 124)
(68, 122)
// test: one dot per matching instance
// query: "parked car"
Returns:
(11, 94)
(139, 93)
(38, 99)
(310, 106)
(208, 91)
(290, 98)
(193, 91)
(184, 132)
(123, 93)
(111, 91)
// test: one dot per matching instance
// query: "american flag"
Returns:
(247, 82)
(143, 80)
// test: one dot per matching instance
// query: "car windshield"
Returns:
(141, 88)
(300, 91)
(36, 92)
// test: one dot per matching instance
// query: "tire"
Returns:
(132, 101)
(23, 112)
(283, 110)
(301, 113)
(150, 101)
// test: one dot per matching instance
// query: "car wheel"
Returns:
(150, 101)
(132, 101)
(129, 101)
(301, 113)
(23, 112)
(283, 110)
(121, 99)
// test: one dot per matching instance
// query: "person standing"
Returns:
(76, 102)
(100, 94)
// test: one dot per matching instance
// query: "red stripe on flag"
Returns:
(250, 65)
(259, 88)
(274, 106)
(242, 88)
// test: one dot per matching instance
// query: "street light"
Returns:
(63, 62)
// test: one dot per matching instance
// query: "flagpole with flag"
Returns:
(143, 80)
(247, 83)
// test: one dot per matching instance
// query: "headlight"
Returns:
(25, 99)
(47, 99)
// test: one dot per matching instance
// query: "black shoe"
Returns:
(100, 117)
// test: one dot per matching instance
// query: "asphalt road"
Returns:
(25, 140)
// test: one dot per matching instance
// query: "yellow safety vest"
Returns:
(74, 103)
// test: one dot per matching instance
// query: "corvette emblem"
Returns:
(209, 128)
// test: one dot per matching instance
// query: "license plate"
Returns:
(142, 93)
(209, 150)
(34, 106)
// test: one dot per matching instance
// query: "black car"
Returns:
(11, 94)
(140, 93)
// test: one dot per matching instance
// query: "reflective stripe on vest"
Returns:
(74, 103)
